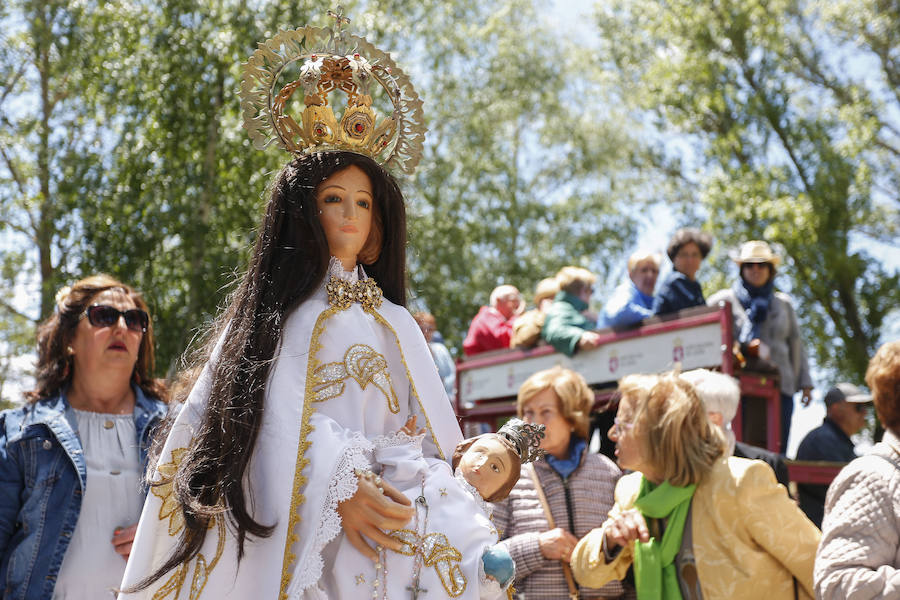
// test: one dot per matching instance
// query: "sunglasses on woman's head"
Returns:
(102, 315)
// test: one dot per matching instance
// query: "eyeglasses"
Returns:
(620, 427)
(860, 407)
(102, 315)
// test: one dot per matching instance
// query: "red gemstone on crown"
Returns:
(359, 127)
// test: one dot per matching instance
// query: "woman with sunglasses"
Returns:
(692, 522)
(766, 326)
(72, 458)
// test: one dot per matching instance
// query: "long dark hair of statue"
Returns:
(288, 264)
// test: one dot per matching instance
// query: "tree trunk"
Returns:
(199, 268)
(45, 217)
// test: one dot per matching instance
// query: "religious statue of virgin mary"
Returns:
(269, 477)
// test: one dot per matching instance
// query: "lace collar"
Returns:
(336, 270)
(346, 287)
(486, 508)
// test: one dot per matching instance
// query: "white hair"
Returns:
(719, 392)
(502, 291)
(641, 257)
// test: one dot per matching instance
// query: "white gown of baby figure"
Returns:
(443, 544)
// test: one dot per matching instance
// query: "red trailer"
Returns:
(486, 384)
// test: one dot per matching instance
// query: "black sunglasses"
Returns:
(101, 315)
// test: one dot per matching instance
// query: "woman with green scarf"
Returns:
(693, 523)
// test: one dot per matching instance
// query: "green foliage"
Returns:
(523, 175)
(49, 142)
(122, 149)
(797, 148)
(162, 189)
(176, 213)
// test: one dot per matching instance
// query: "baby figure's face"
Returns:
(486, 465)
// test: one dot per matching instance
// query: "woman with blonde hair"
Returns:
(569, 324)
(632, 301)
(693, 523)
(558, 500)
(527, 326)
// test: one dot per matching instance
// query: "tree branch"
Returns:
(10, 308)
(19, 229)
(776, 127)
(12, 83)
(884, 145)
(13, 171)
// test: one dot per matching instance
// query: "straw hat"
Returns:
(755, 251)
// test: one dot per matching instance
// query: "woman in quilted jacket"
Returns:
(859, 556)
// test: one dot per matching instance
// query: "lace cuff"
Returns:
(342, 486)
(400, 457)
(397, 439)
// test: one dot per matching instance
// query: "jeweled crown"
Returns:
(331, 60)
(525, 437)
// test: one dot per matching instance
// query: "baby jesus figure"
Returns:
(450, 547)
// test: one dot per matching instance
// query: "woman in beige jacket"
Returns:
(694, 523)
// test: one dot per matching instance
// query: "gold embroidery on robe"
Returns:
(297, 497)
(171, 510)
(412, 386)
(363, 364)
(436, 551)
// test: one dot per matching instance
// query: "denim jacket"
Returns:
(42, 480)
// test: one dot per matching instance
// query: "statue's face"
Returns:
(345, 204)
(486, 465)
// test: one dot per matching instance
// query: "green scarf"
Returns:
(654, 561)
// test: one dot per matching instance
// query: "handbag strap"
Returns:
(567, 571)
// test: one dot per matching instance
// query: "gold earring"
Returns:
(70, 351)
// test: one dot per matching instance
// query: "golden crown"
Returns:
(330, 59)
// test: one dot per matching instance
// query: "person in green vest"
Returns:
(569, 323)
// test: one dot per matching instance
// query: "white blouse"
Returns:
(91, 569)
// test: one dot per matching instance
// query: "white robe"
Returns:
(343, 376)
